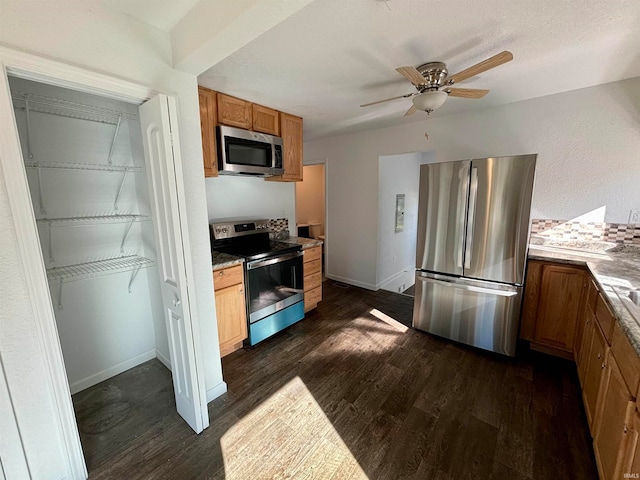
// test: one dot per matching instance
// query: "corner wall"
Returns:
(587, 143)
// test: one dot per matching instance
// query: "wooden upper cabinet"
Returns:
(265, 120)
(234, 112)
(208, 114)
(291, 133)
(562, 291)
(613, 421)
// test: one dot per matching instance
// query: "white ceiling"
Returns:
(324, 61)
(162, 14)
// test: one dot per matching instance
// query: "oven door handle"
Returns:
(273, 260)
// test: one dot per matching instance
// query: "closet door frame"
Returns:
(32, 67)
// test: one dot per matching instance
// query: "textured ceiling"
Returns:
(324, 61)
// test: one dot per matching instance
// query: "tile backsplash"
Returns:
(596, 232)
(279, 228)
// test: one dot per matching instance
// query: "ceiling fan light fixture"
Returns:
(429, 101)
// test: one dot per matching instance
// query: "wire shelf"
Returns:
(66, 108)
(84, 166)
(92, 220)
(84, 271)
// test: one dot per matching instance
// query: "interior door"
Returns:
(442, 211)
(158, 119)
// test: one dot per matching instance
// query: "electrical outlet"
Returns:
(634, 216)
(401, 288)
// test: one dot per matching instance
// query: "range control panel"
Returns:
(236, 229)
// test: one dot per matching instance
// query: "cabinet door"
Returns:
(265, 120)
(582, 354)
(232, 317)
(598, 352)
(560, 304)
(234, 112)
(614, 417)
(208, 113)
(291, 132)
(630, 465)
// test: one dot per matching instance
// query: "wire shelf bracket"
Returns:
(124, 177)
(124, 237)
(113, 141)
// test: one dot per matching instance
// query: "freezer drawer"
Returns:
(482, 314)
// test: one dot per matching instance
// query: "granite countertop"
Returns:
(224, 260)
(305, 242)
(616, 270)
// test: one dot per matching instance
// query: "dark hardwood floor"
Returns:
(349, 393)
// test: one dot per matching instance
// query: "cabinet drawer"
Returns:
(227, 276)
(312, 281)
(311, 254)
(605, 318)
(626, 358)
(311, 267)
(311, 298)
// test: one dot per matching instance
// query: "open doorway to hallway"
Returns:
(311, 203)
(398, 193)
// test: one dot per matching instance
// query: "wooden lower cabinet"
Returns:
(598, 352)
(581, 353)
(230, 308)
(554, 300)
(614, 420)
(312, 271)
(630, 463)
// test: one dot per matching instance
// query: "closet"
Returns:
(85, 167)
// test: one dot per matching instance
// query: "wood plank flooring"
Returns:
(349, 393)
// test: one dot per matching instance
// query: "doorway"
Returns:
(398, 193)
(311, 203)
(95, 219)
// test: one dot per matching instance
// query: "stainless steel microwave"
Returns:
(243, 152)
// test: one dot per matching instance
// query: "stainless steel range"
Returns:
(273, 275)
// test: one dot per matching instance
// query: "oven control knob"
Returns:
(224, 230)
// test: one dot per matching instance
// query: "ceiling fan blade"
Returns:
(411, 74)
(411, 111)
(483, 66)
(389, 99)
(466, 92)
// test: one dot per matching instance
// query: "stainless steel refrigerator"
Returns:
(471, 250)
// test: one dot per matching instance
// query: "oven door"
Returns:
(274, 283)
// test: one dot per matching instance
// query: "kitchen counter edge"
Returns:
(224, 260)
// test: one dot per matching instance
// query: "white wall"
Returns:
(248, 197)
(310, 199)
(93, 38)
(398, 174)
(587, 143)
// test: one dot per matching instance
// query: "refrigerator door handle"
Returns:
(473, 195)
(469, 288)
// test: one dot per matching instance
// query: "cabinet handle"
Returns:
(221, 272)
(625, 428)
(241, 291)
(599, 355)
(603, 365)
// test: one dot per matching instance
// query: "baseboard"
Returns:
(350, 281)
(216, 391)
(163, 360)
(101, 376)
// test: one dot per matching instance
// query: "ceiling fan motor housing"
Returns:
(434, 73)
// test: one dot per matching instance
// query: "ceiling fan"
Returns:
(434, 85)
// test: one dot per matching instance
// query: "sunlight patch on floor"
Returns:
(389, 320)
(287, 436)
